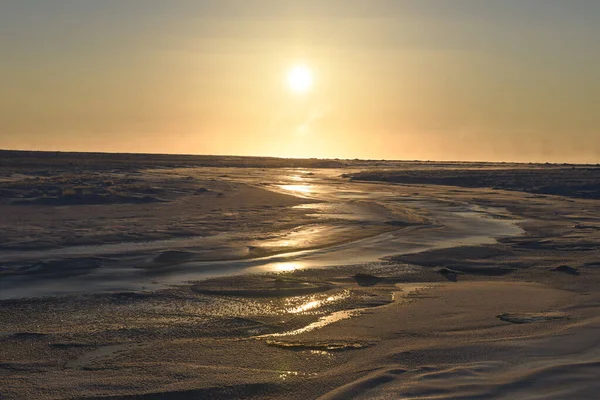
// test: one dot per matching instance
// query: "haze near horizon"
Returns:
(441, 80)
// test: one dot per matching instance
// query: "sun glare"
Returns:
(300, 79)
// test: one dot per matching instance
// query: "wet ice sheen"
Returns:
(452, 225)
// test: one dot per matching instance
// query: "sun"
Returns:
(300, 79)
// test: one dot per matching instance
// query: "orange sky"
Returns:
(479, 80)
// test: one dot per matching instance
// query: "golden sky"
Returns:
(433, 80)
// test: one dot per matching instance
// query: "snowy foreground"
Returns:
(181, 277)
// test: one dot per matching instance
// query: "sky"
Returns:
(489, 80)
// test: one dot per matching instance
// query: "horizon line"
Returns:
(297, 158)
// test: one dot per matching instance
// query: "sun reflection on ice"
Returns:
(316, 302)
(284, 375)
(322, 322)
(286, 267)
(321, 353)
(306, 307)
(304, 189)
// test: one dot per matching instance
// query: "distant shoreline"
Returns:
(199, 160)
